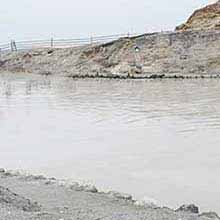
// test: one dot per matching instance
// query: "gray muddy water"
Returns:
(158, 139)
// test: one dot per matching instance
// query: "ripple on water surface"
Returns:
(157, 138)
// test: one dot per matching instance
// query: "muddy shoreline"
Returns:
(25, 196)
(120, 76)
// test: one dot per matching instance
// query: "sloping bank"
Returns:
(193, 50)
(36, 197)
(176, 54)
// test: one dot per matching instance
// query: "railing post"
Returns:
(11, 45)
(15, 47)
(91, 40)
(51, 42)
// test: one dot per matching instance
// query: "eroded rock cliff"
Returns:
(203, 19)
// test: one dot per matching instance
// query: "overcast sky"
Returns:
(38, 19)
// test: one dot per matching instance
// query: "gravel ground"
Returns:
(27, 197)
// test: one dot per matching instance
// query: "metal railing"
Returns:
(58, 43)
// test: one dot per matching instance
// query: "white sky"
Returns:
(38, 19)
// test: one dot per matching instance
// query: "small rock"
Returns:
(188, 208)
(90, 188)
(27, 56)
(211, 215)
(39, 177)
(85, 188)
(50, 51)
(147, 202)
(135, 69)
(75, 186)
(2, 170)
(119, 195)
(8, 174)
(45, 73)
(34, 177)
(49, 182)
(157, 76)
(2, 62)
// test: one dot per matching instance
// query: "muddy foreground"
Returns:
(27, 197)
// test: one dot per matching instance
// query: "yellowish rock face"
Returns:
(203, 19)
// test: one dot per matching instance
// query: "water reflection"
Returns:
(157, 138)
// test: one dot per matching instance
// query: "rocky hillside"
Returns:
(192, 51)
(203, 19)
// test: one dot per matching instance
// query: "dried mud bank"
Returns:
(185, 54)
(37, 197)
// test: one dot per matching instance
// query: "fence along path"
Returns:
(58, 43)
